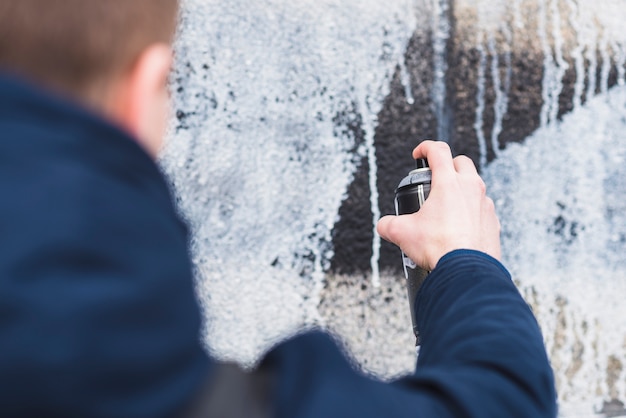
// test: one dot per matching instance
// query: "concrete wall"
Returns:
(294, 122)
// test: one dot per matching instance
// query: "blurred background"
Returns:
(293, 123)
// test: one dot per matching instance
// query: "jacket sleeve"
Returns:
(482, 355)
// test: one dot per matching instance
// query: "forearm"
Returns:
(481, 345)
(482, 356)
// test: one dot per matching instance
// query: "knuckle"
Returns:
(442, 145)
(464, 159)
(443, 149)
(476, 185)
(482, 187)
(394, 228)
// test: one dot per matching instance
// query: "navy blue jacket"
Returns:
(482, 355)
(98, 316)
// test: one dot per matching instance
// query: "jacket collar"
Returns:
(36, 121)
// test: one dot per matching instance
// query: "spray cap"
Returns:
(421, 163)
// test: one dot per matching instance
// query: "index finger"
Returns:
(439, 156)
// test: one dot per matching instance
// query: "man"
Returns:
(98, 317)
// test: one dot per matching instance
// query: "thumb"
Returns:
(393, 228)
(403, 231)
(383, 227)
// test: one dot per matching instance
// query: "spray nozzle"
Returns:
(421, 163)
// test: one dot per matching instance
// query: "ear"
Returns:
(141, 100)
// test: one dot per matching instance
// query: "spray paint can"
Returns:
(409, 198)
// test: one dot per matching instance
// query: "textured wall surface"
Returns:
(294, 121)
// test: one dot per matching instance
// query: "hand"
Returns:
(456, 215)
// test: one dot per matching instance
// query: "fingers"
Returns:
(464, 165)
(457, 213)
(439, 157)
(397, 229)
(385, 228)
(406, 232)
(444, 168)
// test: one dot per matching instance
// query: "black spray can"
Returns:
(410, 196)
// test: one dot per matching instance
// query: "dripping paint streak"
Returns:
(500, 105)
(620, 61)
(441, 33)
(606, 63)
(577, 54)
(480, 104)
(561, 64)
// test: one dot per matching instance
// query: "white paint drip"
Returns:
(554, 63)
(480, 103)
(517, 15)
(608, 16)
(369, 123)
(370, 107)
(620, 62)
(410, 25)
(405, 79)
(441, 34)
(606, 63)
(561, 64)
(591, 57)
(548, 65)
(500, 105)
(577, 53)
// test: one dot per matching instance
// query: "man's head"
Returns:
(101, 52)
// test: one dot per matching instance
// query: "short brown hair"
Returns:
(70, 45)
